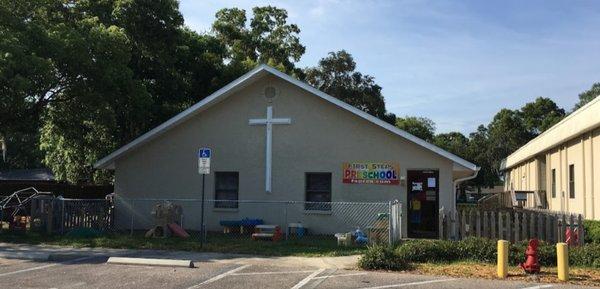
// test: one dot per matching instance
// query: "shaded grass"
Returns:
(308, 246)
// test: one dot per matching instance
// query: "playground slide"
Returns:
(178, 231)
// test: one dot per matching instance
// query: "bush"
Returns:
(421, 251)
(471, 249)
(477, 249)
(585, 256)
(381, 257)
(546, 253)
(592, 231)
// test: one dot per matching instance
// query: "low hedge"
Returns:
(592, 231)
(470, 249)
(382, 257)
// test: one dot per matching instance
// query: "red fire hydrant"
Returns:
(531, 264)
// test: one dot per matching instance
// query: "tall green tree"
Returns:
(80, 78)
(336, 75)
(540, 115)
(588, 95)
(478, 152)
(454, 142)
(267, 38)
(420, 127)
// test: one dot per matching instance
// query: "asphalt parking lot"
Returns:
(93, 272)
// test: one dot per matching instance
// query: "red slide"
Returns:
(178, 231)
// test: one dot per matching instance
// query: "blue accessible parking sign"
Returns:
(204, 161)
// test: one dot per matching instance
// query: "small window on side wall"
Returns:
(553, 184)
(572, 181)
(318, 191)
(226, 189)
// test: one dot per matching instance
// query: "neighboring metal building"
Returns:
(560, 169)
(317, 149)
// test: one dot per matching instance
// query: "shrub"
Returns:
(471, 249)
(421, 251)
(592, 231)
(477, 249)
(381, 257)
(585, 256)
(546, 253)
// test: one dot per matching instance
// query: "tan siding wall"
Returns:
(584, 153)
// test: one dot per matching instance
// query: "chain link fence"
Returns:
(331, 223)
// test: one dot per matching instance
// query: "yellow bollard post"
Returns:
(502, 258)
(562, 258)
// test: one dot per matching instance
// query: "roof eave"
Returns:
(108, 161)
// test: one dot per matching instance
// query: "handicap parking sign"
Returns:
(204, 161)
(204, 153)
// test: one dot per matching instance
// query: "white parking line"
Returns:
(410, 284)
(539, 286)
(340, 275)
(46, 266)
(268, 273)
(307, 279)
(220, 276)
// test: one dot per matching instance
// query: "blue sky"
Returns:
(455, 62)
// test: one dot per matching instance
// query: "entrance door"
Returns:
(423, 203)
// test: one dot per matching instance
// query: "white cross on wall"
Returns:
(269, 122)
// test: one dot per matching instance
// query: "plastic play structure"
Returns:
(166, 219)
(242, 226)
(268, 232)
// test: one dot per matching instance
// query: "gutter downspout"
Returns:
(456, 182)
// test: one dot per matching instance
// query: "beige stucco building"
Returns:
(316, 141)
(561, 167)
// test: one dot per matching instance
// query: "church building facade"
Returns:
(274, 138)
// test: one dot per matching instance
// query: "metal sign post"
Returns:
(204, 155)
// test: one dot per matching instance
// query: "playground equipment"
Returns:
(16, 208)
(272, 232)
(166, 219)
(240, 226)
(296, 230)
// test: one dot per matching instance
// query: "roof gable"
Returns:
(248, 78)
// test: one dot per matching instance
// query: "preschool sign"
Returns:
(371, 173)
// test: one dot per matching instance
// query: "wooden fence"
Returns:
(514, 224)
(81, 213)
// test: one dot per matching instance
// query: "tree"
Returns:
(420, 127)
(540, 115)
(506, 134)
(588, 95)
(454, 142)
(80, 78)
(269, 39)
(478, 152)
(336, 75)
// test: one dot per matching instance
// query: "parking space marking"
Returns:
(220, 276)
(340, 275)
(307, 279)
(539, 286)
(269, 273)
(410, 284)
(45, 266)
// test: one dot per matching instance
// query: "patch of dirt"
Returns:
(578, 276)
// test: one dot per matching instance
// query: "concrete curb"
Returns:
(150, 262)
(32, 256)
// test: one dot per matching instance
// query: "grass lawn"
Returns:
(579, 276)
(308, 246)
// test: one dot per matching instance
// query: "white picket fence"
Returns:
(513, 224)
